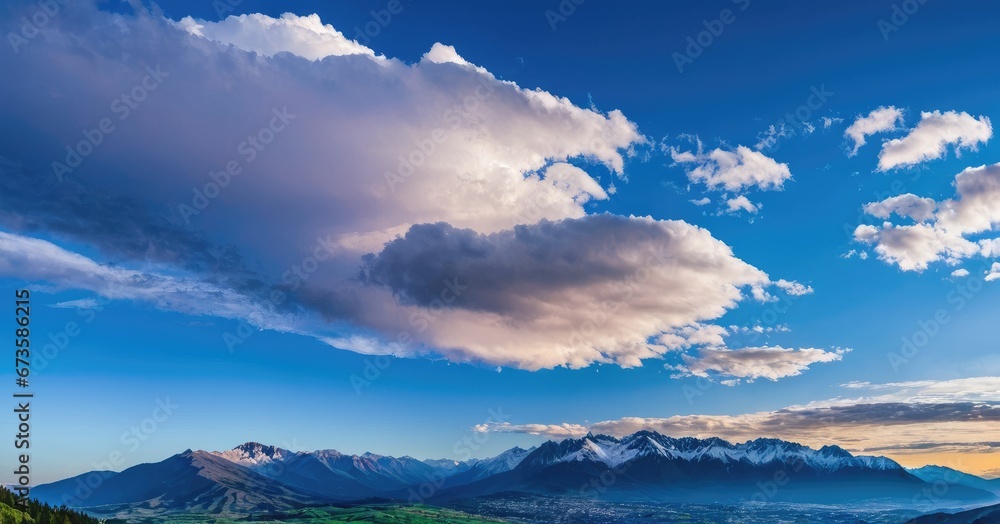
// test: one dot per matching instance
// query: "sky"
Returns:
(430, 230)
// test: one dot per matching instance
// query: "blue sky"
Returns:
(159, 332)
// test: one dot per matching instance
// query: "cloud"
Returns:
(958, 273)
(907, 205)
(741, 203)
(305, 36)
(880, 120)
(941, 234)
(83, 303)
(751, 363)
(829, 121)
(571, 293)
(281, 142)
(736, 170)
(794, 289)
(929, 140)
(38, 260)
(694, 335)
(557, 431)
(701, 201)
(994, 272)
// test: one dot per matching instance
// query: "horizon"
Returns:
(443, 232)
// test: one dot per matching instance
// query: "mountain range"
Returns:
(644, 466)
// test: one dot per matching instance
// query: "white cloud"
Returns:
(305, 36)
(929, 140)
(994, 272)
(741, 203)
(703, 201)
(959, 273)
(752, 363)
(736, 170)
(829, 121)
(794, 288)
(83, 303)
(557, 431)
(941, 234)
(685, 337)
(878, 121)
(906, 205)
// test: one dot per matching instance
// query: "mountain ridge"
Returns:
(645, 465)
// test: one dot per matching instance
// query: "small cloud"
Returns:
(741, 203)
(83, 303)
(878, 121)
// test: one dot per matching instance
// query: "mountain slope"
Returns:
(942, 474)
(987, 515)
(193, 481)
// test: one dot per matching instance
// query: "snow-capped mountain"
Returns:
(254, 477)
(613, 452)
(650, 466)
(254, 455)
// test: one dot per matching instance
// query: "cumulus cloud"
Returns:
(994, 272)
(932, 136)
(794, 289)
(737, 170)
(959, 273)
(564, 293)
(306, 36)
(880, 120)
(943, 227)
(741, 203)
(907, 205)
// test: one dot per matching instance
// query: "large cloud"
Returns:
(943, 234)
(564, 293)
(255, 155)
(933, 134)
